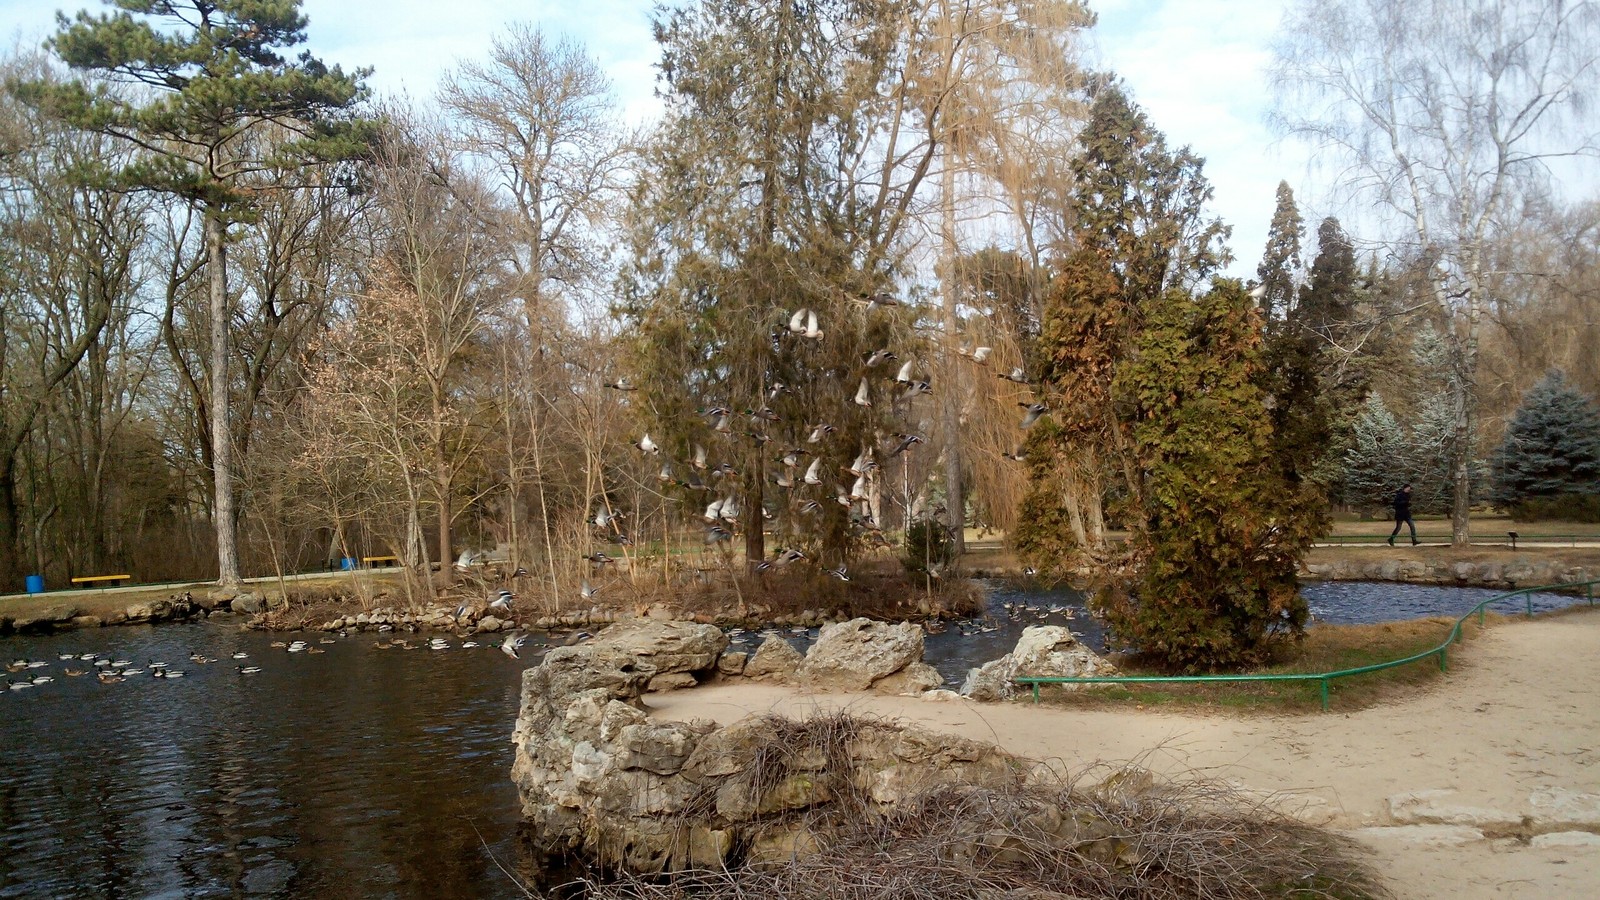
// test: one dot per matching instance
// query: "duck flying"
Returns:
(1034, 411)
(814, 472)
(512, 644)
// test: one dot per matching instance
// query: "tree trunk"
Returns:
(10, 568)
(223, 515)
(955, 497)
(442, 481)
(755, 538)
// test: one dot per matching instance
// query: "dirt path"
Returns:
(1518, 715)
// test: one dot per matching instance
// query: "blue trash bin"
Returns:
(348, 564)
(35, 584)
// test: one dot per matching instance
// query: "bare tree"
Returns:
(1443, 112)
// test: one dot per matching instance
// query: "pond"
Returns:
(361, 770)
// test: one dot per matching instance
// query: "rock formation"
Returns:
(597, 776)
(1043, 650)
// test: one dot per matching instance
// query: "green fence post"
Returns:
(1444, 657)
(1324, 695)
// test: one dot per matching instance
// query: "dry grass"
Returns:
(1129, 837)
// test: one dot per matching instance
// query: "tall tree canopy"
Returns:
(203, 87)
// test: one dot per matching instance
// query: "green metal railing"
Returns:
(1324, 679)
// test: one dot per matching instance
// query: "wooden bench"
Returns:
(372, 561)
(101, 580)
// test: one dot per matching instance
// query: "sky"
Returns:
(1196, 66)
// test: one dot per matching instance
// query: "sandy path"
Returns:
(1519, 712)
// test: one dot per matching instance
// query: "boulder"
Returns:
(731, 662)
(776, 659)
(913, 679)
(1043, 650)
(490, 623)
(246, 604)
(667, 646)
(671, 681)
(853, 655)
(47, 618)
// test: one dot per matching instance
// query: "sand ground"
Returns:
(1518, 713)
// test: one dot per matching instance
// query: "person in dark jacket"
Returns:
(1402, 515)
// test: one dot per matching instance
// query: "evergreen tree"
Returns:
(1279, 272)
(1140, 231)
(1552, 446)
(1328, 297)
(1379, 459)
(1225, 531)
(204, 88)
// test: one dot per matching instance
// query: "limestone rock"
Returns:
(731, 662)
(1566, 840)
(661, 749)
(47, 618)
(915, 678)
(247, 604)
(490, 623)
(667, 646)
(1420, 835)
(776, 658)
(783, 846)
(1561, 808)
(671, 681)
(852, 655)
(1043, 650)
(1434, 807)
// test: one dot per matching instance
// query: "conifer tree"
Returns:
(1140, 230)
(1552, 446)
(203, 85)
(1379, 459)
(1279, 272)
(1225, 534)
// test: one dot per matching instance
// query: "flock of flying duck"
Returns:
(722, 514)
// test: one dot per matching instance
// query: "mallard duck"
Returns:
(512, 644)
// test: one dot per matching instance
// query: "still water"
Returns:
(354, 772)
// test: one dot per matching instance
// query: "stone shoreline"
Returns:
(261, 607)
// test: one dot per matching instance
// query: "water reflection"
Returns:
(354, 772)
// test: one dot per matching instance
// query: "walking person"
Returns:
(1402, 515)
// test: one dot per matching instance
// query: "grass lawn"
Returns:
(1326, 648)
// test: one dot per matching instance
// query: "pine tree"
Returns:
(1552, 446)
(1379, 460)
(224, 116)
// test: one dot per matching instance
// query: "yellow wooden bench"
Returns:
(102, 580)
(370, 561)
